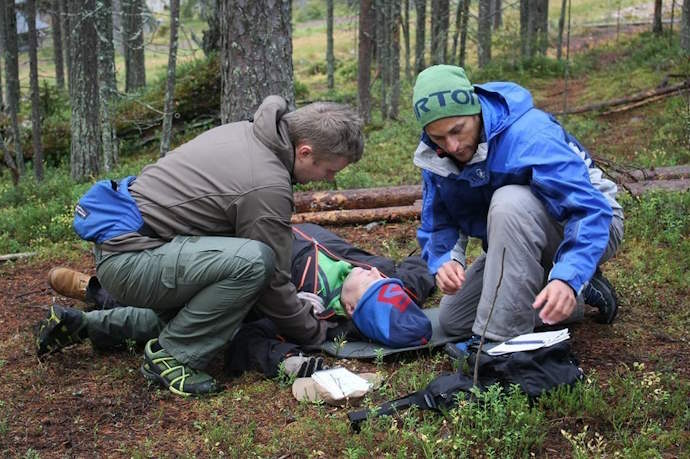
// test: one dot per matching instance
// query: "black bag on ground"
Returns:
(535, 372)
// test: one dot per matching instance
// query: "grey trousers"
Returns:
(200, 287)
(519, 222)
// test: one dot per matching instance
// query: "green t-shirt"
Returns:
(331, 275)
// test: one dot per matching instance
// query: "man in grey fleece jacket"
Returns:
(218, 241)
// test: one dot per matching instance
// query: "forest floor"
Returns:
(79, 402)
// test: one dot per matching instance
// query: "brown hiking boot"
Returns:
(68, 282)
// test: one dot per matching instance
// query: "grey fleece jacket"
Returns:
(234, 180)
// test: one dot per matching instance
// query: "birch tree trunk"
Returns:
(685, 27)
(107, 83)
(420, 44)
(657, 27)
(439, 30)
(484, 33)
(255, 55)
(169, 109)
(330, 58)
(12, 78)
(86, 136)
(33, 84)
(366, 45)
(56, 26)
(133, 41)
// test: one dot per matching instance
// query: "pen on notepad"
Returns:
(525, 342)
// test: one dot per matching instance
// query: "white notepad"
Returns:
(340, 382)
(530, 342)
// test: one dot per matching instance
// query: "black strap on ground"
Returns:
(422, 399)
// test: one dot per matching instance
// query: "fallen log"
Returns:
(360, 198)
(360, 216)
(370, 198)
(668, 90)
(658, 173)
(16, 256)
(398, 213)
(639, 188)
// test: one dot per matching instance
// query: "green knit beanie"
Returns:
(442, 91)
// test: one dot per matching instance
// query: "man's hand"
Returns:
(558, 301)
(450, 277)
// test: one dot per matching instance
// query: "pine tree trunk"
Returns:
(107, 83)
(211, 38)
(133, 40)
(657, 28)
(33, 84)
(383, 52)
(56, 26)
(406, 37)
(366, 45)
(12, 78)
(67, 30)
(86, 136)
(170, 84)
(463, 31)
(497, 14)
(542, 25)
(256, 55)
(330, 58)
(420, 45)
(395, 60)
(456, 32)
(561, 26)
(440, 13)
(484, 33)
(9, 162)
(685, 27)
(524, 29)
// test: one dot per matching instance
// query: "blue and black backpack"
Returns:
(106, 211)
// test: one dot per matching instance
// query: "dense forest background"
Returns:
(94, 89)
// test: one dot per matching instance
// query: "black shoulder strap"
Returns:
(421, 399)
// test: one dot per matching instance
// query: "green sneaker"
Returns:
(162, 368)
(62, 328)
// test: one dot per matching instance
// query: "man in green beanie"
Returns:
(496, 168)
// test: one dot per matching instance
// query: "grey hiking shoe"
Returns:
(302, 366)
(162, 368)
(600, 293)
(62, 328)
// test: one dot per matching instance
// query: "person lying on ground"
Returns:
(496, 168)
(339, 280)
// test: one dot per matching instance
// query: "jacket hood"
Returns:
(272, 131)
(502, 104)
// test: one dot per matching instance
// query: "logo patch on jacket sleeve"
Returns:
(79, 210)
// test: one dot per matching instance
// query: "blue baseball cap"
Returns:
(387, 314)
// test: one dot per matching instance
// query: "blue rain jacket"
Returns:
(526, 146)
